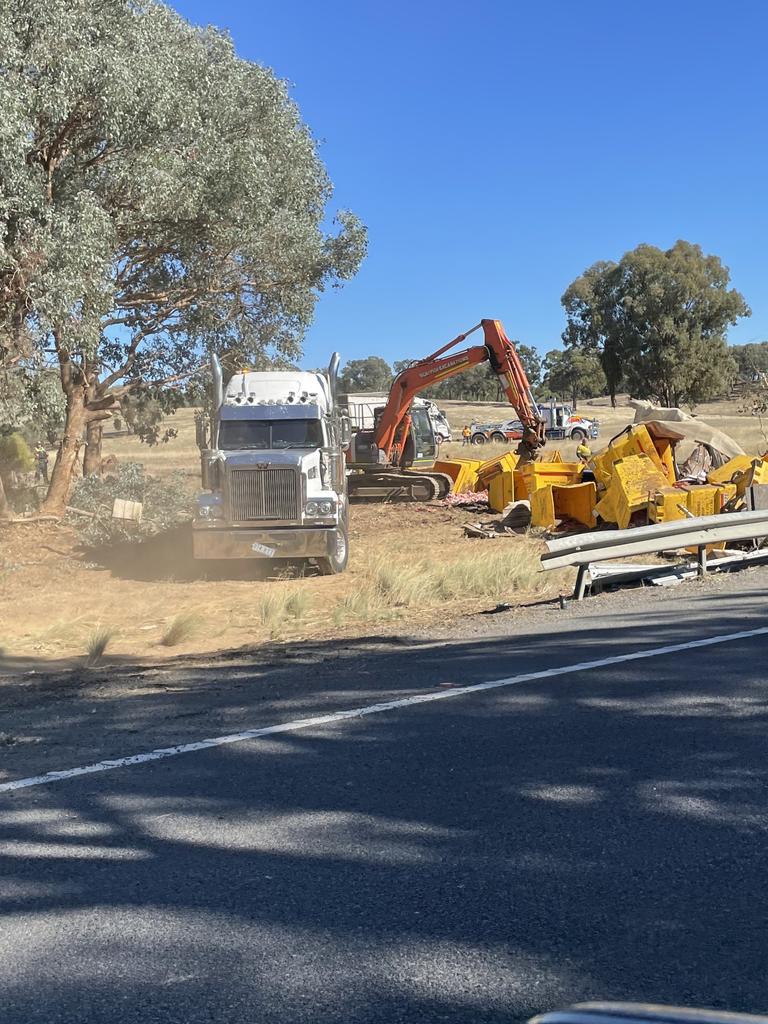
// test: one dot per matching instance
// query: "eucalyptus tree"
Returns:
(658, 320)
(159, 197)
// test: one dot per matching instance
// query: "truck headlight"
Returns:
(209, 510)
(322, 507)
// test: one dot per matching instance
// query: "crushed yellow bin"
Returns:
(463, 472)
(563, 501)
(726, 473)
(637, 441)
(539, 474)
(543, 508)
(576, 501)
(635, 480)
(501, 490)
(673, 503)
(491, 467)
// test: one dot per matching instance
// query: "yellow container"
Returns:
(576, 501)
(633, 483)
(539, 474)
(491, 467)
(463, 472)
(501, 490)
(636, 442)
(724, 475)
(568, 501)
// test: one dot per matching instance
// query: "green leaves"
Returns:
(571, 374)
(366, 375)
(658, 321)
(158, 194)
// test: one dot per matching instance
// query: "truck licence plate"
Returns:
(263, 549)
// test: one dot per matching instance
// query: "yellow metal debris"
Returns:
(636, 441)
(635, 480)
(463, 472)
(726, 473)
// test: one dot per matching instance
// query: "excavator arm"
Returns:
(394, 422)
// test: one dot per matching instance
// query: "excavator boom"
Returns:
(393, 425)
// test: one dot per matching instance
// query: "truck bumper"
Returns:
(213, 542)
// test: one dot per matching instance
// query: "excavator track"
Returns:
(399, 485)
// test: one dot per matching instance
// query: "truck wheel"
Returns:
(499, 438)
(478, 439)
(337, 562)
(578, 434)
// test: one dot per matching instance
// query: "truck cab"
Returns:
(273, 470)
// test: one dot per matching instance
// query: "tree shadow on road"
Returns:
(477, 859)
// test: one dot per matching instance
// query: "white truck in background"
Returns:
(273, 469)
(361, 408)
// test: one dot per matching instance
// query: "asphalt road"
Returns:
(597, 834)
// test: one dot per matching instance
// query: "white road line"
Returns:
(371, 709)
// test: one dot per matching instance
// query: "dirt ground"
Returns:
(56, 596)
(410, 566)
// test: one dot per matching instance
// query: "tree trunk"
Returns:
(5, 508)
(92, 457)
(63, 469)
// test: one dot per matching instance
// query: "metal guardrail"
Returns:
(587, 548)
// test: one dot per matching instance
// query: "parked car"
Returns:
(499, 433)
(570, 426)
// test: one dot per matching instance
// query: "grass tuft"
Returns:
(355, 605)
(97, 644)
(184, 625)
(297, 603)
(271, 610)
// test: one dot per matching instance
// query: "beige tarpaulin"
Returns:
(686, 430)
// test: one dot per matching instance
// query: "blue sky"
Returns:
(496, 149)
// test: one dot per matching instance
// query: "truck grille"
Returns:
(263, 494)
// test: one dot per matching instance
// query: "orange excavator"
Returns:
(380, 460)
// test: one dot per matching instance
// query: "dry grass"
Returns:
(183, 627)
(97, 644)
(297, 604)
(507, 568)
(271, 609)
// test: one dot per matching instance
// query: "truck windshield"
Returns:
(236, 435)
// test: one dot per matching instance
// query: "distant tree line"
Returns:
(563, 374)
(653, 324)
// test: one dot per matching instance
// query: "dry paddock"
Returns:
(410, 566)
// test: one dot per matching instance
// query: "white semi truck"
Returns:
(273, 469)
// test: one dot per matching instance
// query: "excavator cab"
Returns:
(421, 443)
(415, 438)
